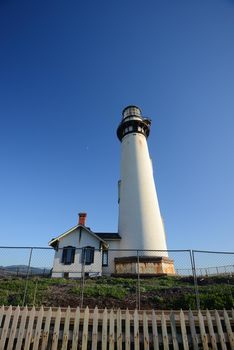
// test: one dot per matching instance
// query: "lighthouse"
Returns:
(139, 247)
(140, 223)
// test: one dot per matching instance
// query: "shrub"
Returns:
(117, 292)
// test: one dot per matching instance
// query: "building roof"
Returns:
(101, 236)
(53, 241)
(108, 235)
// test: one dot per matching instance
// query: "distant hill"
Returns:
(22, 270)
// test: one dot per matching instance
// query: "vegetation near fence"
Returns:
(173, 292)
(47, 328)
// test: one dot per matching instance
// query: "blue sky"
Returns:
(68, 68)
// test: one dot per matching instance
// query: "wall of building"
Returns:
(112, 253)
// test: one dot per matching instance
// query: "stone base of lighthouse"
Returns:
(148, 266)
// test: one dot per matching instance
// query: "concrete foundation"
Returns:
(148, 265)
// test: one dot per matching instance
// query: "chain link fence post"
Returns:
(138, 294)
(27, 276)
(192, 258)
(83, 257)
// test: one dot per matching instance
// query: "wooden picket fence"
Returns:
(66, 328)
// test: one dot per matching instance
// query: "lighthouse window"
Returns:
(68, 255)
(139, 128)
(130, 128)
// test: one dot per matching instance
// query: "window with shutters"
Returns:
(68, 255)
(88, 255)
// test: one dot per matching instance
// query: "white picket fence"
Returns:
(66, 328)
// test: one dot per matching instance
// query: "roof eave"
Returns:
(54, 240)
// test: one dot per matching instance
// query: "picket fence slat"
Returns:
(13, 329)
(136, 331)
(85, 329)
(5, 328)
(2, 310)
(127, 331)
(28, 337)
(173, 331)
(164, 332)
(38, 329)
(119, 330)
(183, 331)
(193, 330)
(66, 329)
(220, 331)
(104, 330)
(229, 329)
(63, 328)
(56, 330)
(203, 331)
(45, 333)
(75, 337)
(145, 331)
(112, 331)
(95, 329)
(211, 331)
(22, 328)
(155, 331)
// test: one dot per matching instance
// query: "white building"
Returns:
(80, 250)
(141, 236)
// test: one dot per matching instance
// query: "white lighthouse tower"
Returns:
(140, 223)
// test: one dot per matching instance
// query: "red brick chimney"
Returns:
(82, 218)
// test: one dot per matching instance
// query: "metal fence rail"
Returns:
(36, 276)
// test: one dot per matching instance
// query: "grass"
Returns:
(161, 293)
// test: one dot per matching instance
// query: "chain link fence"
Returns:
(214, 279)
(115, 278)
